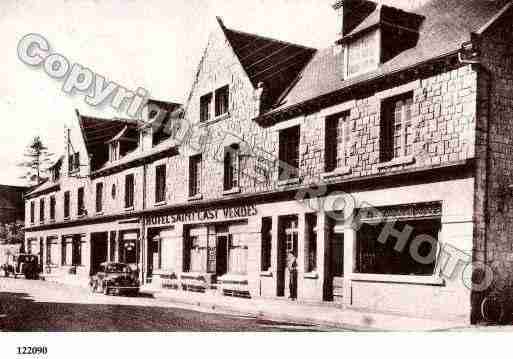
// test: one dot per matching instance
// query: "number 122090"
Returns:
(34, 350)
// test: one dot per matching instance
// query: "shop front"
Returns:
(201, 250)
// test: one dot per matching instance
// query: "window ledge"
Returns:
(233, 190)
(129, 209)
(99, 213)
(288, 182)
(311, 275)
(338, 172)
(67, 218)
(195, 197)
(160, 204)
(81, 215)
(224, 116)
(267, 273)
(51, 221)
(234, 277)
(405, 160)
(391, 278)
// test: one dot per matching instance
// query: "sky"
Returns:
(153, 44)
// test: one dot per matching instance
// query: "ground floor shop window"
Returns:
(72, 251)
(197, 250)
(52, 251)
(237, 254)
(129, 247)
(403, 247)
(218, 249)
(161, 250)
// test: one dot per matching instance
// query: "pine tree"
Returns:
(37, 163)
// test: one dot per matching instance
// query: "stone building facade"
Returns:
(374, 173)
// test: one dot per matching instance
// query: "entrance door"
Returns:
(336, 269)
(287, 243)
(98, 250)
(222, 255)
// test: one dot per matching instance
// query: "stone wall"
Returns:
(493, 237)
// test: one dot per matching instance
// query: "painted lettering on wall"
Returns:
(200, 215)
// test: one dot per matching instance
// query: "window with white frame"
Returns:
(129, 190)
(32, 211)
(381, 249)
(289, 153)
(231, 167)
(160, 183)
(205, 105)
(195, 175)
(237, 254)
(99, 197)
(42, 210)
(396, 127)
(337, 137)
(52, 208)
(80, 202)
(222, 96)
(362, 54)
(67, 195)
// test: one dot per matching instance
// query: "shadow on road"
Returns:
(19, 312)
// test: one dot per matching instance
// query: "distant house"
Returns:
(11, 204)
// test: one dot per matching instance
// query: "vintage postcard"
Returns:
(255, 166)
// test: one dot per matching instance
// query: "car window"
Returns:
(118, 268)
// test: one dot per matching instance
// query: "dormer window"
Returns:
(373, 33)
(124, 142)
(363, 55)
(114, 151)
(74, 162)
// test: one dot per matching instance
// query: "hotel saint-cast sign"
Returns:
(205, 214)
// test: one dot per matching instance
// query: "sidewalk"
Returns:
(328, 315)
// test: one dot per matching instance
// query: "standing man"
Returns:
(292, 274)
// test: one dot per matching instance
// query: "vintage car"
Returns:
(117, 278)
(26, 265)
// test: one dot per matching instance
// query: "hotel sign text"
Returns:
(207, 214)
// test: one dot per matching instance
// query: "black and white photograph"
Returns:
(222, 166)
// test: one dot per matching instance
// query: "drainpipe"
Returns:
(142, 226)
(469, 54)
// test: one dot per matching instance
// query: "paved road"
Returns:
(42, 306)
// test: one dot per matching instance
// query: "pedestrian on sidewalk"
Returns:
(292, 274)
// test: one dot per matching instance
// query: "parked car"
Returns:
(115, 278)
(26, 265)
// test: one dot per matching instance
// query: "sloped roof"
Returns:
(447, 24)
(137, 155)
(166, 105)
(97, 131)
(274, 63)
(383, 14)
(44, 187)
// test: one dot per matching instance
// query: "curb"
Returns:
(266, 315)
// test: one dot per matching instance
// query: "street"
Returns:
(27, 305)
